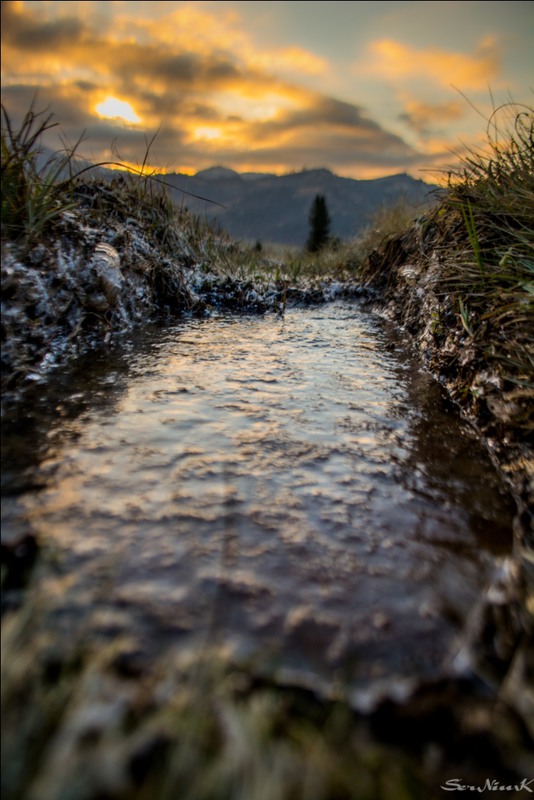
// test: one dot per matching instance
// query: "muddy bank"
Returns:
(112, 722)
(110, 264)
(408, 274)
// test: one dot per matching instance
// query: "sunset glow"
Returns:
(207, 133)
(365, 89)
(472, 72)
(113, 108)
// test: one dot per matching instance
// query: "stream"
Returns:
(297, 492)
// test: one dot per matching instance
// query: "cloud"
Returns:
(294, 60)
(23, 32)
(322, 131)
(396, 61)
(326, 119)
(197, 75)
(427, 119)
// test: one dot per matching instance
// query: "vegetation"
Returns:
(91, 724)
(88, 251)
(225, 732)
(490, 269)
(37, 188)
(319, 225)
(34, 192)
(474, 255)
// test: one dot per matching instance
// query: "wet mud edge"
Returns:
(497, 646)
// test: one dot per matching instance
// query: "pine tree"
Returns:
(319, 225)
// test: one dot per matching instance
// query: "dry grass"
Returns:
(34, 193)
(479, 244)
(489, 260)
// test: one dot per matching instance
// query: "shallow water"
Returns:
(296, 490)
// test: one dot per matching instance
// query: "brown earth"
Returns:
(498, 641)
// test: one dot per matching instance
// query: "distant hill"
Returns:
(275, 208)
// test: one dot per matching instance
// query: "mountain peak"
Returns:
(217, 174)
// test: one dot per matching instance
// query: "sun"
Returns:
(113, 108)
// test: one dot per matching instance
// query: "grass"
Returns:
(234, 739)
(57, 210)
(338, 260)
(491, 269)
(77, 725)
(223, 733)
(37, 189)
(345, 260)
(92, 720)
(33, 193)
(478, 242)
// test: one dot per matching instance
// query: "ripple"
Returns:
(299, 482)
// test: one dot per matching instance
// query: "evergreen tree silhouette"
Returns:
(319, 225)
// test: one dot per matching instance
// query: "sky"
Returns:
(365, 89)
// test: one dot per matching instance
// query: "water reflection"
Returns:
(302, 480)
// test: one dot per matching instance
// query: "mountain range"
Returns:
(275, 209)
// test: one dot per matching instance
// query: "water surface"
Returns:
(295, 490)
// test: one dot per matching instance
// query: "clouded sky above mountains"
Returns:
(363, 88)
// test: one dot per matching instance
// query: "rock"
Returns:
(106, 265)
(96, 301)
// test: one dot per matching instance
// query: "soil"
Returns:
(498, 641)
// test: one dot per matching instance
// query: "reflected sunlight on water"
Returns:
(302, 478)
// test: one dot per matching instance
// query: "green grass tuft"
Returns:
(34, 192)
(477, 249)
(491, 267)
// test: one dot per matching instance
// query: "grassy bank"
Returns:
(84, 258)
(461, 280)
(88, 253)
(89, 723)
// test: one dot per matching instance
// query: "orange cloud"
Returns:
(292, 59)
(425, 118)
(192, 27)
(394, 61)
(217, 97)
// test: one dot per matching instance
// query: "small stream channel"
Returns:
(296, 490)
